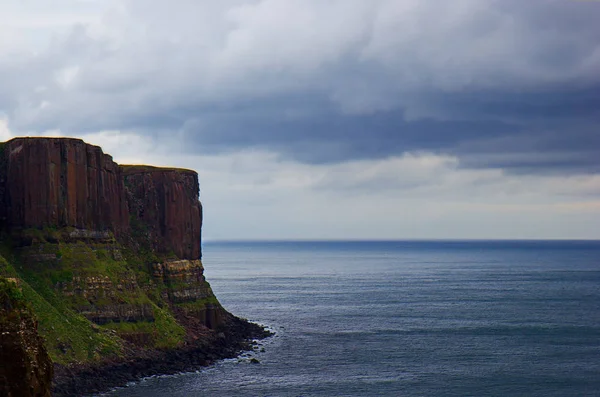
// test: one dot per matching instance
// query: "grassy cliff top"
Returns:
(129, 169)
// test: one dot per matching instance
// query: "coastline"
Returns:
(101, 264)
(229, 341)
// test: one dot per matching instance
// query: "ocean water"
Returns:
(405, 319)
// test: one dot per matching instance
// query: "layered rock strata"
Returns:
(189, 291)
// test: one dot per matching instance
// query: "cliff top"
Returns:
(129, 169)
(45, 138)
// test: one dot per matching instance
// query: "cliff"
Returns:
(63, 182)
(108, 259)
(164, 203)
(60, 182)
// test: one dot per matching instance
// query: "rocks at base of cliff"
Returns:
(26, 368)
(230, 340)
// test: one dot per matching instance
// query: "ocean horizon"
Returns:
(399, 240)
(404, 318)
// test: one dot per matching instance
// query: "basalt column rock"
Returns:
(59, 182)
(165, 210)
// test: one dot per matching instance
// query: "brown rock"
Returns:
(164, 201)
(185, 279)
(60, 182)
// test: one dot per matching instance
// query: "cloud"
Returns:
(319, 81)
(370, 119)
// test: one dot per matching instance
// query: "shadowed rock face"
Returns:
(60, 182)
(165, 203)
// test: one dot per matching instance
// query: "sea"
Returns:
(404, 318)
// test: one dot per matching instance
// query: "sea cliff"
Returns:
(106, 265)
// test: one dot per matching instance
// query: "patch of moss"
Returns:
(11, 294)
(129, 169)
(69, 336)
(163, 333)
(169, 332)
(32, 236)
(52, 287)
(199, 304)
(6, 270)
(83, 259)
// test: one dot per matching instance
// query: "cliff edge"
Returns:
(108, 261)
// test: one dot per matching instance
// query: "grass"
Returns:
(69, 336)
(137, 169)
(164, 331)
(11, 294)
(65, 265)
(169, 332)
(198, 305)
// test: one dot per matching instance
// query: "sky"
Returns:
(329, 119)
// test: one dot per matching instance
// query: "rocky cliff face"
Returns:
(26, 368)
(58, 182)
(108, 257)
(62, 182)
(164, 204)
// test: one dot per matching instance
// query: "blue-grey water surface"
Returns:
(405, 319)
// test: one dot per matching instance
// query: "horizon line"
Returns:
(342, 240)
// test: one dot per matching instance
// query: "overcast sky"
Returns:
(336, 119)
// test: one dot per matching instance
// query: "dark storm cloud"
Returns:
(328, 136)
(525, 132)
(504, 84)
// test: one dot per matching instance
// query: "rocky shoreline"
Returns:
(229, 341)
